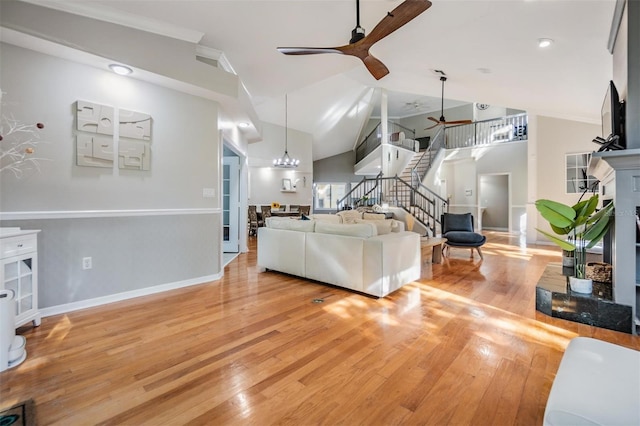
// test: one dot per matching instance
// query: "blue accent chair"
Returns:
(458, 230)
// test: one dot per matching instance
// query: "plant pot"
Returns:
(568, 260)
(581, 285)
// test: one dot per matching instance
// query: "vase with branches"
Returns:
(18, 143)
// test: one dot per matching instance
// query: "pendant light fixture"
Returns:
(286, 162)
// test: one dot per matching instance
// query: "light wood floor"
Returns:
(464, 345)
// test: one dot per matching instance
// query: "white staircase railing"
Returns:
(504, 129)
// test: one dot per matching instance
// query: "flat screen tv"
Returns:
(613, 116)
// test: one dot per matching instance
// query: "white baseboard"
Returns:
(98, 301)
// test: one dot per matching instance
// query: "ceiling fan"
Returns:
(360, 44)
(442, 121)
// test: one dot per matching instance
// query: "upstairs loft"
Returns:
(479, 133)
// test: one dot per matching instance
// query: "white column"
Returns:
(532, 178)
(384, 127)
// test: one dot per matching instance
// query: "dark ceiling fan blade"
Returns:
(433, 119)
(458, 122)
(405, 12)
(395, 19)
(375, 67)
(307, 50)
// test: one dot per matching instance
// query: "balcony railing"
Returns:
(504, 129)
(398, 135)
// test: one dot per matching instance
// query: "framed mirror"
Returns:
(286, 185)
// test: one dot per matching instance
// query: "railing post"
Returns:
(475, 134)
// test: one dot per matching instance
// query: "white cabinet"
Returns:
(19, 271)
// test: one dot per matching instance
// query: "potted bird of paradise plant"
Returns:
(577, 228)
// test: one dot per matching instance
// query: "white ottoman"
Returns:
(598, 383)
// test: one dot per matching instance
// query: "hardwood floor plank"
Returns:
(462, 346)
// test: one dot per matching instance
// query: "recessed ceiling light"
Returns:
(243, 125)
(544, 42)
(120, 69)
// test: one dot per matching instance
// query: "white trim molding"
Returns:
(217, 55)
(83, 214)
(98, 301)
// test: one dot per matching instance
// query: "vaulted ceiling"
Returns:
(487, 48)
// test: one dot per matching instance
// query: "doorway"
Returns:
(494, 202)
(230, 202)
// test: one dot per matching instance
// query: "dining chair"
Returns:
(254, 222)
(266, 212)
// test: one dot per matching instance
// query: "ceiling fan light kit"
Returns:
(360, 43)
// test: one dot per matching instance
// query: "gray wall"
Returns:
(41, 88)
(128, 253)
(338, 168)
(142, 229)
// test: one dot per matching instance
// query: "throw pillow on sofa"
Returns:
(349, 216)
(334, 218)
(374, 216)
(362, 230)
(382, 226)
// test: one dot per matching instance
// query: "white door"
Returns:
(230, 204)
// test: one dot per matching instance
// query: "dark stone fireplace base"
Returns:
(555, 298)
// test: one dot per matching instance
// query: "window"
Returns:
(328, 194)
(577, 179)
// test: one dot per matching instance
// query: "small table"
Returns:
(436, 243)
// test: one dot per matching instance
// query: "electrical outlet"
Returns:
(86, 263)
(208, 193)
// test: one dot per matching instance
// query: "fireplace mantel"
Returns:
(604, 163)
(619, 174)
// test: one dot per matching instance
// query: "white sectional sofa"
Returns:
(598, 383)
(350, 255)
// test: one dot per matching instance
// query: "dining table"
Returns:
(285, 214)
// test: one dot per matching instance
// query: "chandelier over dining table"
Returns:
(286, 161)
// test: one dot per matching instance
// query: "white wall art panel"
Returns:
(94, 151)
(134, 155)
(136, 125)
(94, 118)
